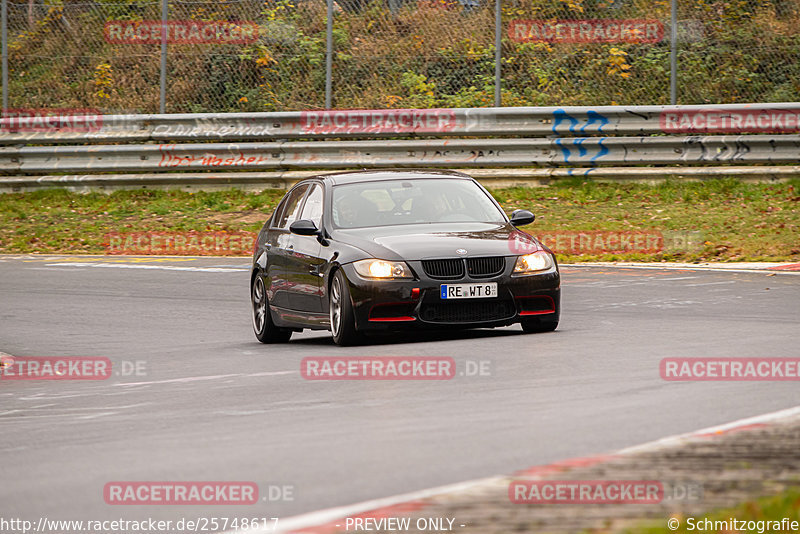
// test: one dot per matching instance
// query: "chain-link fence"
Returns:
(249, 55)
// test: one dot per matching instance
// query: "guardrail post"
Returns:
(673, 55)
(329, 57)
(5, 53)
(498, 50)
(162, 99)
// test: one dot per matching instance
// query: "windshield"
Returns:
(412, 201)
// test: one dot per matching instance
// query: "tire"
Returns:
(340, 307)
(264, 328)
(536, 325)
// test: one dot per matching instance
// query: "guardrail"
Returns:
(587, 151)
(575, 137)
(522, 121)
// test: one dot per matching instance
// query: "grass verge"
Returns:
(736, 221)
(784, 506)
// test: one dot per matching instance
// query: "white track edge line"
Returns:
(327, 515)
(673, 440)
(682, 268)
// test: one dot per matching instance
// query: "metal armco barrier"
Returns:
(588, 151)
(522, 121)
(581, 139)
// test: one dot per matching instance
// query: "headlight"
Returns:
(531, 263)
(382, 269)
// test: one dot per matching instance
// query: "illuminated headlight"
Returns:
(382, 269)
(532, 263)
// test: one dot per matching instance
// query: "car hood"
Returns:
(440, 240)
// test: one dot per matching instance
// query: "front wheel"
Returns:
(343, 323)
(265, 329)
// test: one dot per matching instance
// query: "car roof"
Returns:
(348, 177)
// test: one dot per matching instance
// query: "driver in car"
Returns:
(355, 211)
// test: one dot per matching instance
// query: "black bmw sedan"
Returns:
(358, 252)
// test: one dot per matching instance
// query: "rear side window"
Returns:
(291, 208)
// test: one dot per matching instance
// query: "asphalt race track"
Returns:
(210, 403)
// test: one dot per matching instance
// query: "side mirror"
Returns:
(522, 217)
(304, 227)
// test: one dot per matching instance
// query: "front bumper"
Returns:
(392, 304)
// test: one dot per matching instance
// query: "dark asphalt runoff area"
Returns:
(210, 403)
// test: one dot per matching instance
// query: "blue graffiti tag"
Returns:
(564, 150)
(602, 152)
(559, 116)
(594, 117)
(600, 148)
(579, 143)
(584, 172)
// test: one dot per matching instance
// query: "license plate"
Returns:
(468, 291)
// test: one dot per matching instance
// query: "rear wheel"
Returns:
(264, 328)
(343, 323)
(535, 324)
